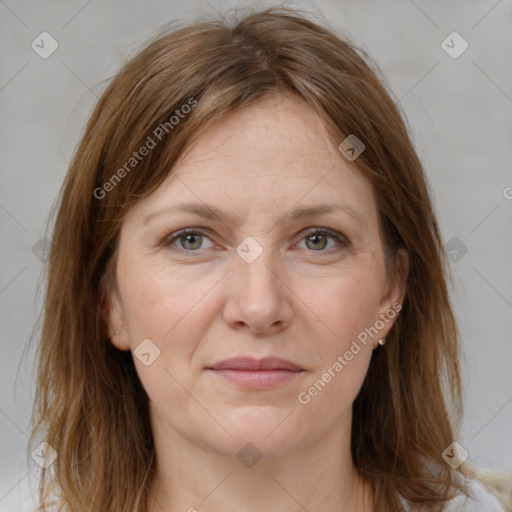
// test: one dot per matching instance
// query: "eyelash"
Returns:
(169, 240)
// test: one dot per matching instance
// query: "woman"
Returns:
(294, 355)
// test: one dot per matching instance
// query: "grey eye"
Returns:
(318, 241)
(193, 240)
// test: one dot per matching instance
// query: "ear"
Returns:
(112, 314)
(394, 296)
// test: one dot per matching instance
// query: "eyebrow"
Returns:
(209, 211)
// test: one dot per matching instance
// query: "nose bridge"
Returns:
(259, 298)
(256, 267)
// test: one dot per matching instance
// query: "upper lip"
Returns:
(250, 363)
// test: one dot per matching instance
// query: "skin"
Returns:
(304, 298)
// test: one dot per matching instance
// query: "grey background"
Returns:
(459, 111)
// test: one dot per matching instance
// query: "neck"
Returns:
(316, 476)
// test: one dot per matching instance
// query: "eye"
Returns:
(317, 239)
(190, 239)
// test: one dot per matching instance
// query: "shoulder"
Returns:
(480, 499)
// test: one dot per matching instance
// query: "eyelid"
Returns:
(169, 240)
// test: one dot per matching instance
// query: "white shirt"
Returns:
(481, 500)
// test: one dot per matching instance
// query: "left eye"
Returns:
(316, 240)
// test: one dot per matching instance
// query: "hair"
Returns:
(90, 405)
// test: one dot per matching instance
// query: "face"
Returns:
(267, 277)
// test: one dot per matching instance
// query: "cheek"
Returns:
(346, 305)
(157, 298)
(174, 309)
(166, 308)
(330, 394)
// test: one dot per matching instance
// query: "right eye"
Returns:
(189, 239)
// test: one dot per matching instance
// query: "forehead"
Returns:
(282, 136)
(273, 154)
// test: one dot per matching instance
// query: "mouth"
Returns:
(252, 373)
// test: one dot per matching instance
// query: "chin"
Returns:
(260, 432)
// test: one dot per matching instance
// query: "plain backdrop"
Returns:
(458, 106)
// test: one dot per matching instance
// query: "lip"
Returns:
(252, 364)
(253, 373)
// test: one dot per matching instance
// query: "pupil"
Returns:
(317, 237)
(188, 237)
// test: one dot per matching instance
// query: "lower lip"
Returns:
(257, 379)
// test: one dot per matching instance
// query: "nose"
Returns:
(259, 298)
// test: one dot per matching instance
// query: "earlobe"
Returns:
(392, 301)
(119, 340)
(112, 317)
(397, 284)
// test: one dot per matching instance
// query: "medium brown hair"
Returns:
(90, 405)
